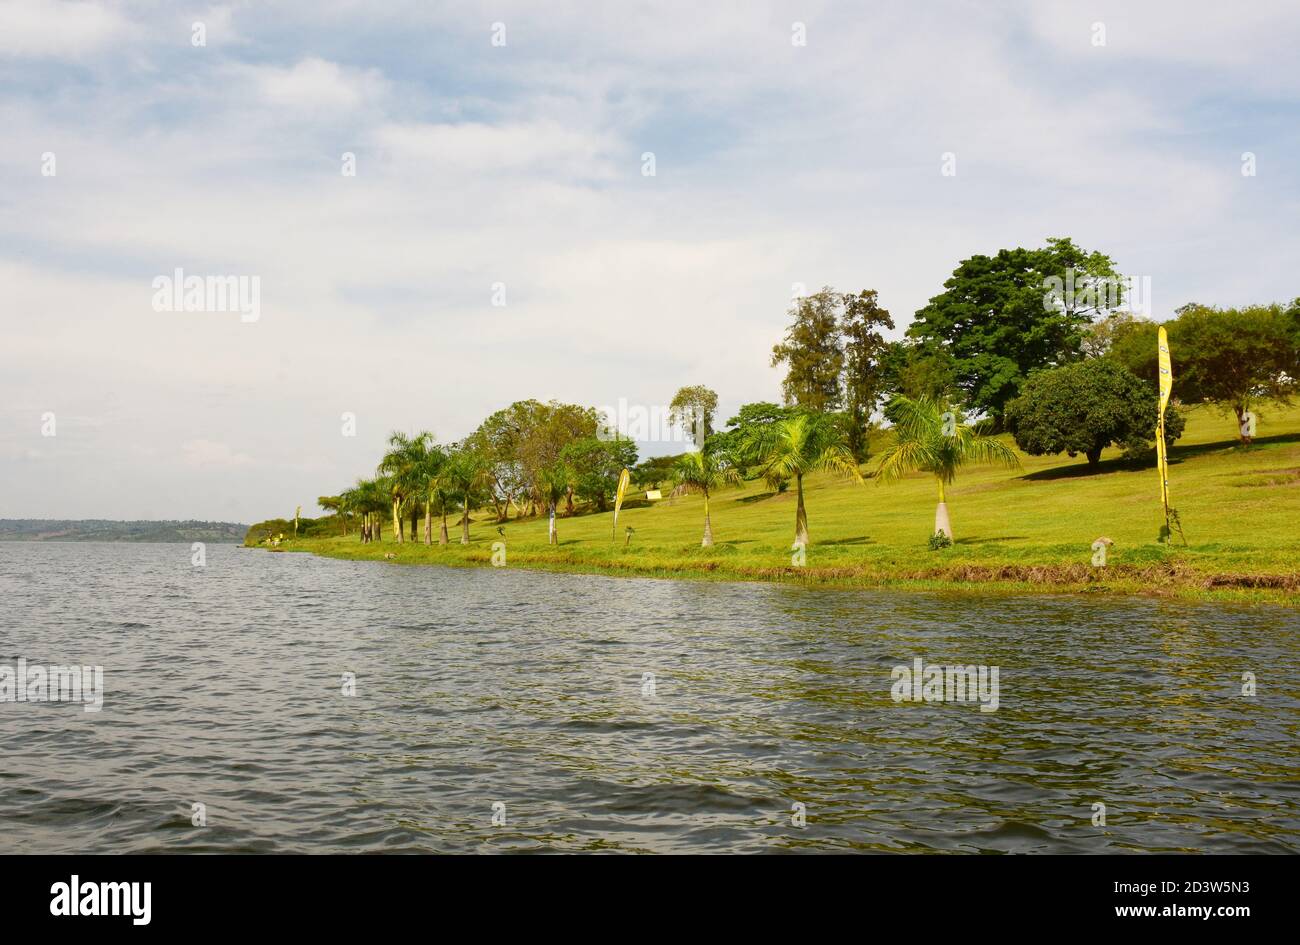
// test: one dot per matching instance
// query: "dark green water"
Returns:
(483, 690)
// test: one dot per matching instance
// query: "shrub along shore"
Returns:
(1031, 529)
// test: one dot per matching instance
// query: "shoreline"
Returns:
(1172, 580)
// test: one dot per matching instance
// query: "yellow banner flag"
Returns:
(1166, 388)
(1166, 371)
(624, 479)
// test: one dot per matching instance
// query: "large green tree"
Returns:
(918, 371)
(864, 370)
(1001, 317)
(1084, 408)
(1235, 357)
(597, 465)
(694, 408)
(812, 353)
(525, 438)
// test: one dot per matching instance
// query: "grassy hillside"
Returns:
(1017, 530)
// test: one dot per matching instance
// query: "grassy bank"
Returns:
(1015, 531)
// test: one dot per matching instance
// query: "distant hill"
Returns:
(49, 529)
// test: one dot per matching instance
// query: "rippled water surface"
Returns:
(483, 688)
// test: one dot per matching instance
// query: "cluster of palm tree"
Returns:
(929, 436)
(417, 474)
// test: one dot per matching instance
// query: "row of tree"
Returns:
(1037, 343)
(532, 457)
(1003, 322)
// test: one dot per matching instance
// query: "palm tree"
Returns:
(704, 471)
(338, 505)
(442, 496)
(368, 498)
(553, 484)
(931, 437)
(399, 465)
(433, 488)
(468, 472)
(795, 446)
(404, 465)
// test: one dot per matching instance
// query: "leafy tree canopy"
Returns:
(1085, 407)
(812, 352)
(1234, 356)
(694, 408)
(596, 465)
(1001, 317)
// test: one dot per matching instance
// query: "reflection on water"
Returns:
(527, 691)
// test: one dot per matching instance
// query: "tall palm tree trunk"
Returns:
(941, 523)
(464, 524)
(552, 535)
(442, 535)
(708, 527)
(800, 513)
(428, 522)
(415, 517)
(397, 520)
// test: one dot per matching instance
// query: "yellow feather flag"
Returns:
(1166, 388)
(624, 479)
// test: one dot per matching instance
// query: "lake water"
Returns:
(523, 698)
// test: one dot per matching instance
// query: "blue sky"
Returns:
(521, 164)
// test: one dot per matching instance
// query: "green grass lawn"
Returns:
(1014, 530)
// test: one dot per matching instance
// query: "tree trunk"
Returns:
(379, 528)
(442, 535)
(708, 527)
(464, 525)
(800, 514)
(552, 535)
(415, 518)
(397, 520)
(1094, 456)
(568, 502)
(941, 523)
(1242, 433)
(428, 523)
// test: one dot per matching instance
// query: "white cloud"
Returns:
(542, 146)
(57, 29)
(314, 83)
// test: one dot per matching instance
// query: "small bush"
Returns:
(939, 540)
